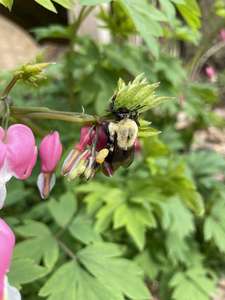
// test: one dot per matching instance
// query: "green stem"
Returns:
(66, 249)
(9, 87)
(7, 114)
(204, 44)
(76, 25)
(52, 116)
(25, 110)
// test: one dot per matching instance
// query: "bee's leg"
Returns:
(136, 117)
(113, 100)
(105, 128)
(102, 154)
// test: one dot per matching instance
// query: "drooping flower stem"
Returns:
(45, 113)
(6, 120)
(9, 87)
(53, 116)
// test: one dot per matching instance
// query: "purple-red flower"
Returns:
(7, 242)
(137, 145)
(102, 137)
(50, 152)
(17, 156)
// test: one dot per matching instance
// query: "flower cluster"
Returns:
(79, 162)
(19, 154)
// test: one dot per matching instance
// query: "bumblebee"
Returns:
(120, 147)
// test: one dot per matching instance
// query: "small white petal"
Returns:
(66, 160)
(2, 194)
(5, 175)
(10, 292)
(40, 183)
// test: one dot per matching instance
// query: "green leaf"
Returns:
(177, 248)
(113, 198)
(47, 4)
(190, 12)
(64, 209)
(52, 31)
(193, 284)
(178, 1)
(82, 229)
(79, 285)
(144, 22)
(221, 12)
(136, 220)
(214, 226)
(147, 131)
(177, 218)
(92, 2)
(169, 10)
(24, 270)
(118, 274)
(137, 93)
(65, 3)
(41, 245)
(204, 163)
(149, 264)
(7, 3)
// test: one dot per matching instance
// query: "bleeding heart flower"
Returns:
(50, 152)
(75, 153)
(17, 157)
(7, 242)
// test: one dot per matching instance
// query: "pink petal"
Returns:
(210, 71)
(7, 242)
(222, 34)
(22, 154)
(50, 152)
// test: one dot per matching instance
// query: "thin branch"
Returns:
(51, 116)
(66, 249)
(205, 57)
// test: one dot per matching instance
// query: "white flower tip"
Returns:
(2, 194)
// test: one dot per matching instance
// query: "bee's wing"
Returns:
(122, 157)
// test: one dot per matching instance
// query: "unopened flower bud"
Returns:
(50, 152)
(79, 165)
(71, 158)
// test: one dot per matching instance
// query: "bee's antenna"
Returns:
(138, 107)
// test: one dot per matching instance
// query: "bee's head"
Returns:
(122, 113)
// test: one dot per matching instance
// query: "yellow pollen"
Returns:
(102, 155)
